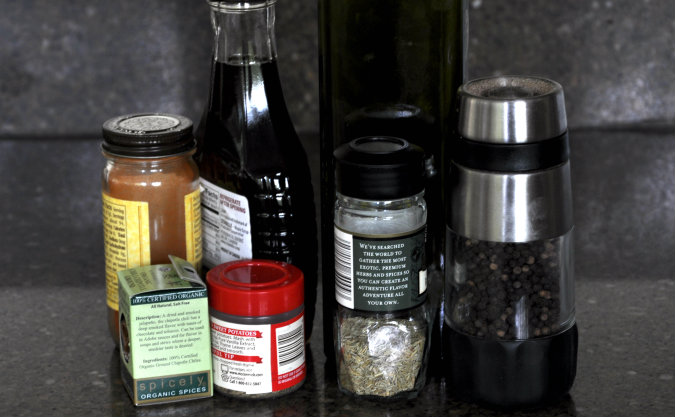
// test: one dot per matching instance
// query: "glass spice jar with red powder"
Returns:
(150, 192)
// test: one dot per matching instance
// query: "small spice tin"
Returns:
(257, 328)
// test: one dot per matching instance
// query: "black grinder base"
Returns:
(510, 373)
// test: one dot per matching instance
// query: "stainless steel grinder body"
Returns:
(510, 337)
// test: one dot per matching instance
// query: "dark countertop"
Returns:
(58, 359)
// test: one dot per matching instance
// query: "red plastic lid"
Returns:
(255, 287)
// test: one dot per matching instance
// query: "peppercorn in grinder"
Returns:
(510, 338)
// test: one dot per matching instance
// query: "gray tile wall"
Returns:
(614, 58)
(66, 66)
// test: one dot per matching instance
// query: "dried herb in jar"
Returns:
(381, 356)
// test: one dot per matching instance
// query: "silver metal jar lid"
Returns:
(147, 135)
(511, 109)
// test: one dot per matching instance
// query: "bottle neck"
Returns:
(244, 31)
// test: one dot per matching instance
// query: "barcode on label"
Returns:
(290, 347)
(344, 269)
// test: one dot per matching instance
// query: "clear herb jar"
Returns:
(150, 193)
(257, 328)
(382, 319)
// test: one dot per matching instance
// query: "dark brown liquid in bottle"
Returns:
(248, 145)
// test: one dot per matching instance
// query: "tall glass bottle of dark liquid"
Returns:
(257, 197)
(388, 68)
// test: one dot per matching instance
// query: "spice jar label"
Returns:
(193, 228)
(226, 225)
(126, 234)
(380, 274)
(258, 359)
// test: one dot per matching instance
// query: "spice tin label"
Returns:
(226, 225)
(126, 236)
(258, 359)
(380, 274)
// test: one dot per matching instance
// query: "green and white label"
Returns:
(174, 387)
(165, 339)
(170, 338)
(380, 273)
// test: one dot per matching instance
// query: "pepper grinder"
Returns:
(510, 336)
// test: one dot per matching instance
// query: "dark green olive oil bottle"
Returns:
(388, 68)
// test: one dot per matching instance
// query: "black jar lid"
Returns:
(379, 168)
(148, 135)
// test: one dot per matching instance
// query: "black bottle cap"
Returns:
(379, 168)
(148, 135)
